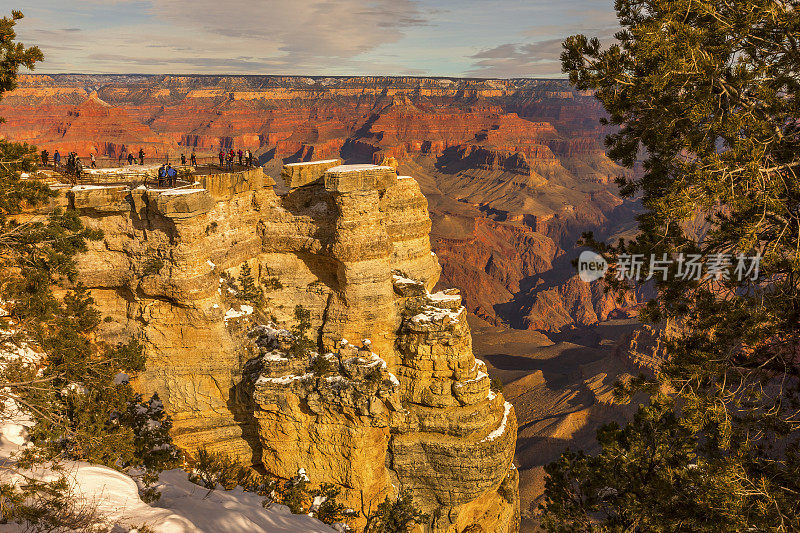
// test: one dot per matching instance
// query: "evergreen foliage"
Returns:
(302, 346)
(395, 516)
(247, 288)
(329, 510)
(53, 367)
(705, 93)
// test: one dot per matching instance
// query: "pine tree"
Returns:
(302, 346)
(153, 448)
(705, 94)
(248, 290)
(395, 516)
(54, 369)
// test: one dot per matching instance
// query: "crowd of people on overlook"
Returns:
(226, 158)
(167, 175)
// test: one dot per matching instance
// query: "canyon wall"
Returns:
(400, 401)
(514, 170)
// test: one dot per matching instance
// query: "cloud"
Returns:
(275, 36)
(514, 60)
(486, 38)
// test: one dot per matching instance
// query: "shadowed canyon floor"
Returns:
(560, 386)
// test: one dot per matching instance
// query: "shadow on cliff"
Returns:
(241, 405)
(515, 311)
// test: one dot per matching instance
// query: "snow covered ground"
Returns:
(183, 508)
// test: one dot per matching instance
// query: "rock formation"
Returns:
(392, 399)
(516, 166)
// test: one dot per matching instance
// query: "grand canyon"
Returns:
(507, 175)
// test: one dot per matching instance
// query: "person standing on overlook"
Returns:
(78, 168)
(141, 156)
(93, 160)
(45, 157)
(130, 158)
(221, 156)
(241, 155)
(172, 176)
(183, 159)
(193, 159)
(56, 158)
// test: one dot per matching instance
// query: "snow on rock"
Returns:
(501, 428)
(244, 310)
(342, 169)
(179, 192)
(183, 507)
(436, 314)
(283, 380)
(304, 163)
(442, 297)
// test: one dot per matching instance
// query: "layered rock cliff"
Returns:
(400, 401)
(511, 166)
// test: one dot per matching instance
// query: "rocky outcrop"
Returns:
(402, 405)
(525, 153)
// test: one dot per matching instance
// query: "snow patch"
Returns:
(342, 169)
(304, 163)
(244, 310)
(501, 428)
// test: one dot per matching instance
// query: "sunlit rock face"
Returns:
(514, 170)
(401, 402)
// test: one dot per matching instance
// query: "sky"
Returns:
(472, 38)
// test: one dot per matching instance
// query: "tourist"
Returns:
(141, 156)
(56, 158)
(231, 154)
(221, 155)
(130, 158)
(193, 159)
(93, 160)
(78, 168)
(183, 160)
(172, 176)
(240, 154)
(248, 157)
(162, 174)
(45, 157)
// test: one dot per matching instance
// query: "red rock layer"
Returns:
(524, 158)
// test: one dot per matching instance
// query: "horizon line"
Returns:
(213, 75)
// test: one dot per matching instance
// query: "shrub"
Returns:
(293, 493)
(328, 510)
(153, 265)
(301, 345)
(273, 284)
(496, 385)
(321, 366)
(210, 469)
(396, 516)
(247, 288)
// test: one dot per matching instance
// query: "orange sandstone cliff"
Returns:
(402, 403)
(514, 170)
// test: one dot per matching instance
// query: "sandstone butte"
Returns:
(514, 170)
(407, 405)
